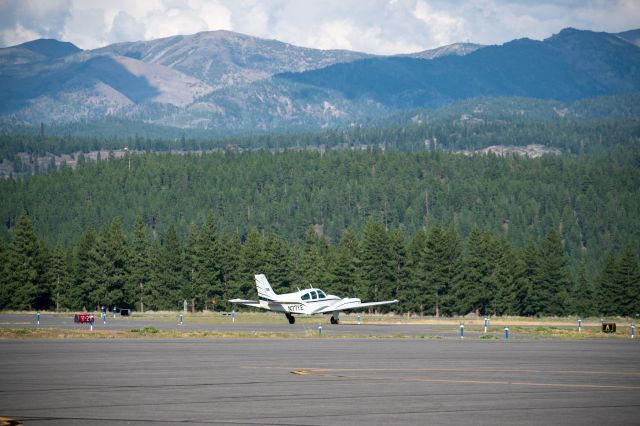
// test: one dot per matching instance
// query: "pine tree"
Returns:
(583, 295)
(151, 292)
(251, 263)
(141, 268)
(108, 267)
(5, 295)
(83, 260)
(609, 295)
(452, 269)
(59, 277)
(552, 281)
(208, 284)
(525, 270)
(441, 264)
(377, 264)
(171, 257)
(627, 282)
(311, 268)
(343, 278)
(191, 267)
(25, 285)
(478, 287)
(398, 252)
(230, 266)
(502, 275)
(434, 264)
(414, 296)
(277, 263)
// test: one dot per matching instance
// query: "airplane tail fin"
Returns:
(265, 292)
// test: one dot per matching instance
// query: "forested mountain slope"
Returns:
(593, 201)
(570, 65)
(587, 126)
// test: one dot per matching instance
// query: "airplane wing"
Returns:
(349, 304)
(252, 303)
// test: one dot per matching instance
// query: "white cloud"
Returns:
(125, 27)
(444, 27)
(17, 35)
(375, 26)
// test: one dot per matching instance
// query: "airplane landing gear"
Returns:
(334, 318)
(291, 318)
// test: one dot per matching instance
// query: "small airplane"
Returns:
(310, 301)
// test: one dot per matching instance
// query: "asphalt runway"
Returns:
(320, 381)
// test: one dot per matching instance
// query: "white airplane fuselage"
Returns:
(292, 303)
(309, 301)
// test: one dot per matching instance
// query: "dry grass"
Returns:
(57, 333)
(564, 328)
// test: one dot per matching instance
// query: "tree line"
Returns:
(576, 136)
(593, 125)
(592, 201)
(432, 272)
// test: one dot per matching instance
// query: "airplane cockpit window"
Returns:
(305, 296)
(321, 294)
(314, 296)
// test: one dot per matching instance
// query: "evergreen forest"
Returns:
(445, 233)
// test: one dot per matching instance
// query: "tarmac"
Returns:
(320, 381)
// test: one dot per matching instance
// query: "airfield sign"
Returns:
(609, 327)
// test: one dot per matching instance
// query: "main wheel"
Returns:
(334, 321)
(291, 318)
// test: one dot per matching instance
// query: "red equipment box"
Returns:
(83, 318)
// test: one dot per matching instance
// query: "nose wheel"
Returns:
(291, 318)
(334, 318)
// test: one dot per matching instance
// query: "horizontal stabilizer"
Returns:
(253, 303)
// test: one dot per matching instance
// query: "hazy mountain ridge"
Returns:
(571, 65)
(457, 49)
(632, 36)
(160, 80)
(619, 107)
(35, 51)
(228, 81)
(224, 58)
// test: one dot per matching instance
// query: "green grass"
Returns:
(489, 337)
(145, 330)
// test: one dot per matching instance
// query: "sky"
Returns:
(372, 26)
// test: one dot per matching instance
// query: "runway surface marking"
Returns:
(463, 370)
(326, 372)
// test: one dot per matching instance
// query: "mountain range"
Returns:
(223, 80)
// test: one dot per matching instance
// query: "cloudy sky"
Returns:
(374, 26)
